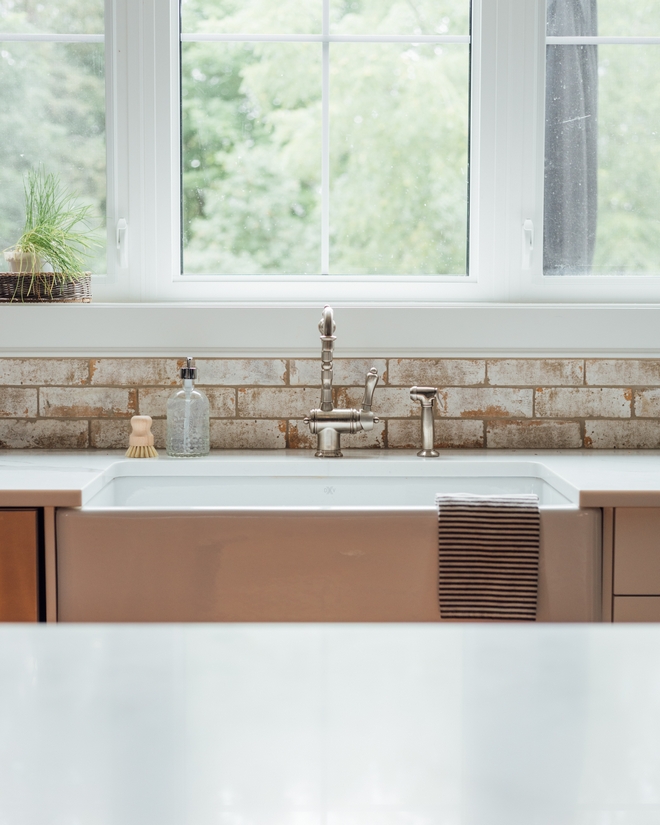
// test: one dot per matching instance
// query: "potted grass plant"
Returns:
(57, 234)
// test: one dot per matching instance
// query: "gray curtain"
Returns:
(571, 132)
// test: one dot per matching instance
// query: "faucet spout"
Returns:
(327, 325)
(327, 328)
(327, 422)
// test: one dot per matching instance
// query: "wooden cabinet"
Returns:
(19, 565)
(636, 565)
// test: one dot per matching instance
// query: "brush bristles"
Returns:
(141, 452)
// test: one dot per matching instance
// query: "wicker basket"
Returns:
(44, 288)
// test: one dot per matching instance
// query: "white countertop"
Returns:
(31, 478)
(330, 725)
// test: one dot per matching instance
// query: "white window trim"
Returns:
(147, 308)
(291, 331)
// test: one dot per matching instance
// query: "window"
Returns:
(602, 143)
(335, 142)
(306, 108)
(52, 77)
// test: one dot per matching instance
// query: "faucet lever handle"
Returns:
(369, 387)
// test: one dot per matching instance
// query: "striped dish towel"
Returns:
(489, 556)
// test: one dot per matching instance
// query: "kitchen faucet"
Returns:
(328, 423)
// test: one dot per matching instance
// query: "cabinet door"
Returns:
(637, 608)
(637, 551)
(19, 556)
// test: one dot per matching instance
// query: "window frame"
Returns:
(506, 177)
(147, 42)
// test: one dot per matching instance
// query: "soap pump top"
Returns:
(189, 372)
(188, 417)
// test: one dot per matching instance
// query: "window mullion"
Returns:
(486, 166)
(530, 160)
(111, 142)
(123, 101)
(506, 153)
(325, 144)
(143, 147)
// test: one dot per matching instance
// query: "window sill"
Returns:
(288, 330)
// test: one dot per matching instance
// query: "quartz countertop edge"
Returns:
(46, 478)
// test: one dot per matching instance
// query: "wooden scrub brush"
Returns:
(141, 440)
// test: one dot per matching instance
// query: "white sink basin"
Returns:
(301, 491)
(319, 483)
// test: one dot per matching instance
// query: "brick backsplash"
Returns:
(259, 403)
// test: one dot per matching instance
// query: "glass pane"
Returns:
(611, 18)
(400, 17)
(251, 16)
(602, 175)
(399, 156)
(251, 157)
(628, 230)
(49, 17)
(52, 98)
(625, 19)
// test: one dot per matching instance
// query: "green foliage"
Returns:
(399, 121)
(57, 227)
(52, 16)
(252, 140)
(628, 234)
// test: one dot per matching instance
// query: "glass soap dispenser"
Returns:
(188, 417)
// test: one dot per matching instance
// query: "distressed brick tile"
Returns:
(647, 404)
(300, 437)
(18, 403)
(449, 434)
(124, 372)
(389, 402)
(242, 371)
(436, 372)
(625, 435)
(500, 402)
(623, 372)
(153, 401)
(87, 402)
(541, 435)
(114, 434)
(247, 435)
(522, 372)
(43, 435)
(276, 403)
(40, 371)
(347, 372)
(583, 403)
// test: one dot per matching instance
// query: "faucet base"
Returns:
(429, 453)
(328, 444)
